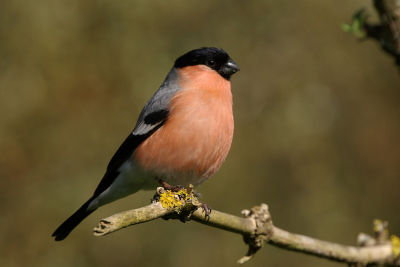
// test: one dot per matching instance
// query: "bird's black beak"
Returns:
(232, 65)
(228, 69)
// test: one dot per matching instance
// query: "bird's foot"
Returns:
(206, 209)
(173, 188)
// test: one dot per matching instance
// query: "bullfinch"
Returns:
(182, 136)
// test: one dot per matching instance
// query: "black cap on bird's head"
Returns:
(214, 58)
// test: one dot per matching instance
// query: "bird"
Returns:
(182, 135)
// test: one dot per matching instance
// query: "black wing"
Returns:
(143, 130)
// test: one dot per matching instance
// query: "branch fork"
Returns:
(262, 230)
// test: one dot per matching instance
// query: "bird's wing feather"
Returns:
(143, 130)
(153, 116)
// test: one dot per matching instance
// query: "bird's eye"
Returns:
(210, 63)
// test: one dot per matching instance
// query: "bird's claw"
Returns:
(207, 210)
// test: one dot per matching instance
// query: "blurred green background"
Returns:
(317, 125)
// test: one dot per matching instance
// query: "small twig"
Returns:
(377, 254)
(388, 36)
(387, 32)
(130, 217)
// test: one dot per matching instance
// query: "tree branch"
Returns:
(257, 229)
(387, 33)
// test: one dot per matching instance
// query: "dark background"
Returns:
(317, 125)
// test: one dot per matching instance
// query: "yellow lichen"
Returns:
(395, 245)
(171, 199)
(168, 200)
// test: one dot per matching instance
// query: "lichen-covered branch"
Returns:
(257, 229)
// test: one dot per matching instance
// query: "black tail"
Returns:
(63, 231)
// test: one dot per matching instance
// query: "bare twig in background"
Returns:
(257, 229)
(387, 32)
